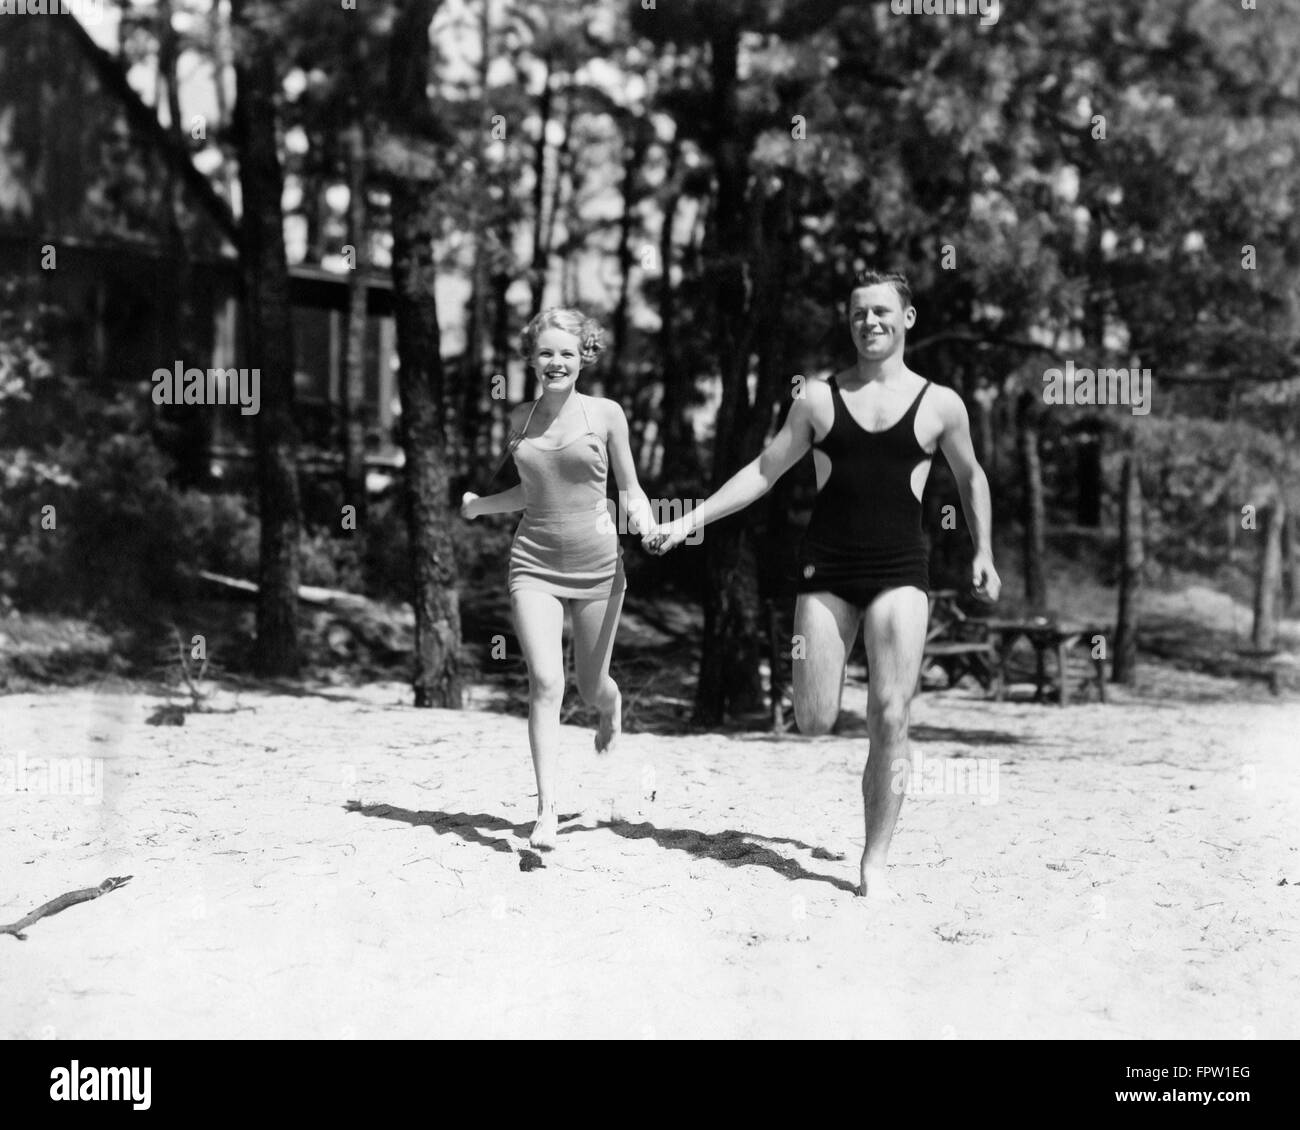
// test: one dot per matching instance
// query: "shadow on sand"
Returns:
(730, 847)
(963, 735)
(469, 827)
(733, 848)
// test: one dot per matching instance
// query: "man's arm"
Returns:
(973, 485)
(755, 478)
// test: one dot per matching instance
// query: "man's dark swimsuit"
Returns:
(865, 534)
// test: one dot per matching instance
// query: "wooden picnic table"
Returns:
(1046, 635)
(960, 644)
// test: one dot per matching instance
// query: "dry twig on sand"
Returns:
(62, 903)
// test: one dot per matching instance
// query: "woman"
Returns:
(566, 550)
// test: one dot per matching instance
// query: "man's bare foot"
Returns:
(610, 726)
(875, 885)
(545, 830)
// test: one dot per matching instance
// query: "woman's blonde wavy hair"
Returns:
(586, 330)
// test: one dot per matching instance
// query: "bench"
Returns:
(965, 657)
(959, 644)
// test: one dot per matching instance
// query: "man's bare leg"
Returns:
(894, 632)
(824, 627)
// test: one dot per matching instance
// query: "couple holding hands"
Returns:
(864, 557)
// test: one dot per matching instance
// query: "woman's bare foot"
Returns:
(875, 886)
(610, 726)
(545, 830)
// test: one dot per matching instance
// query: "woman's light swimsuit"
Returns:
(567, 541)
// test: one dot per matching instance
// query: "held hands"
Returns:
(660, 539)
(640, 520)
(468, 510)
(984, 578)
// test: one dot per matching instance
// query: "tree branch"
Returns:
(986, 339)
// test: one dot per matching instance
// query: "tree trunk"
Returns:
(564, 162)
(1088, 445)
(537, 271)
(472, 414)
(1033, 518)
(1269, 578)
(470, 425)
(680, 461)
(500, 351)
(729, 680)
(270, 337)
(1291, 555)
(1132, 554)
(354, 368)
(191, 447)
(434, 597)
(616, 387)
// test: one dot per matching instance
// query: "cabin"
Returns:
(104, 214)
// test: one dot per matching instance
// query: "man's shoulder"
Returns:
(819, 384)
(943, 396)
(814, 394)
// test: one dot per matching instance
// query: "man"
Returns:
(873, 430)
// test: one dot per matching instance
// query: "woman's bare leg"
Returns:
(595, 624)
(539, 624)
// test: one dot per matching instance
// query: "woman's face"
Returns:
(557, 359)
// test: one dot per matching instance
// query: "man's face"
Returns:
(878, 321)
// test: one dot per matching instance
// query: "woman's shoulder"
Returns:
(602, 406)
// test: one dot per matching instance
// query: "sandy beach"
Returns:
(337, 864)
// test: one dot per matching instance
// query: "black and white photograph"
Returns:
(651, 520)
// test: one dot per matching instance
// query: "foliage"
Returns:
(81, 460)
(1199, 475)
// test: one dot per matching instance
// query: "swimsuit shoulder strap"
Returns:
(837, 399)
(524, 430)
(837, 408)
(918, 396)
(910, 415)
(582, 403)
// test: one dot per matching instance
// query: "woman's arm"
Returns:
(472, 506)
(631, 496)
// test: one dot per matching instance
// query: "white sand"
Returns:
(1124, 884)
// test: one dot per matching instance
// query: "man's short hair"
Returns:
(874, 278)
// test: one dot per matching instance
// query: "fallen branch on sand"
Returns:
(307, 594)
(62, 903)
